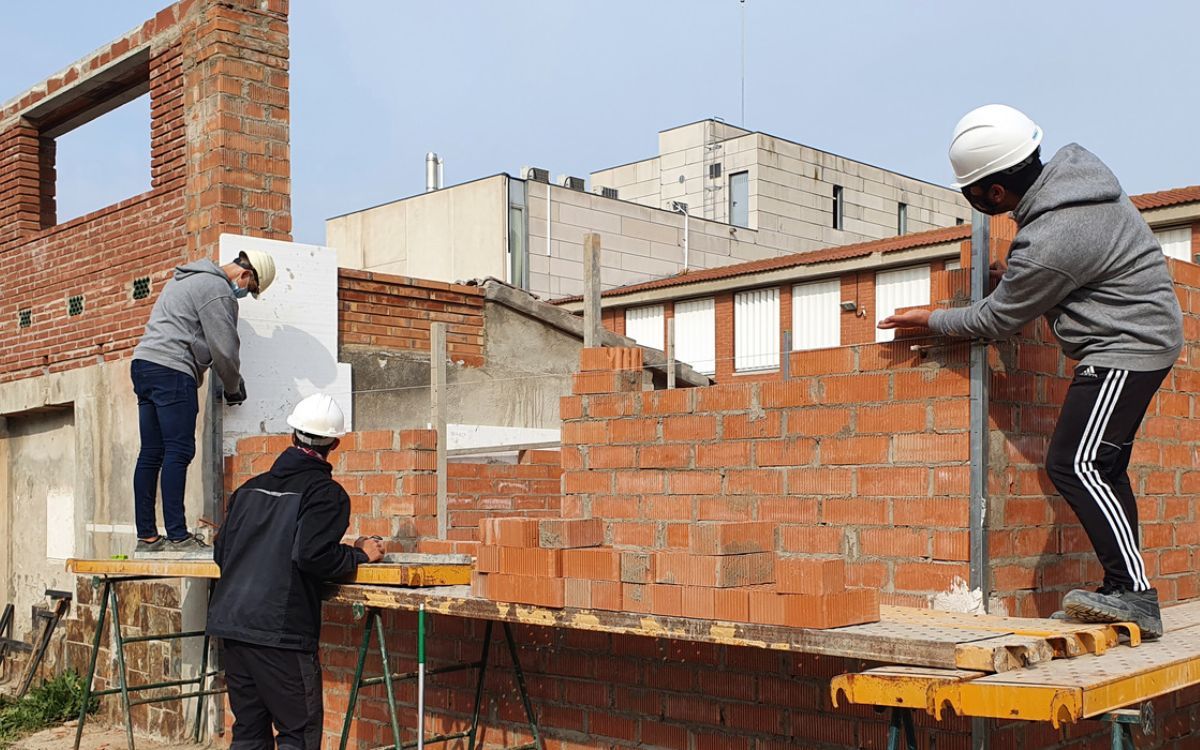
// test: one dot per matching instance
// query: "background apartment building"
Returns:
(733, 322)
(714, 196)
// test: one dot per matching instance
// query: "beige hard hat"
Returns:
(264, 268)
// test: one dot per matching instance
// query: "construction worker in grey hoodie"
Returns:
(192, 327)
(1084, 258)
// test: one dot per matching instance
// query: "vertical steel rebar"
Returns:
(91, 673)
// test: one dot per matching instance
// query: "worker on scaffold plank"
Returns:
(282, 539)
(192, 327)
(1084, 257)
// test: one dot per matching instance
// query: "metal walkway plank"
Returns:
(380, 574)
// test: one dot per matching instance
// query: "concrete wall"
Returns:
(528, 367)
(71, 444)
(447, 235)
(790, 186)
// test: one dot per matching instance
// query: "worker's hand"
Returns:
(233, 399)
(372, 546)
(907, 319)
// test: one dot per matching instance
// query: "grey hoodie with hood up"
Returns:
(1084, 257)
(193, 326)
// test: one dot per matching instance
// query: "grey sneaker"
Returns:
(1117, 605)
(1059, 615)
(143, 547)
(191, 546)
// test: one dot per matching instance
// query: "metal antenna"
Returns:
(743, 4)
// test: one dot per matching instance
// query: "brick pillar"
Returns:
(20, 181)
(235, 75)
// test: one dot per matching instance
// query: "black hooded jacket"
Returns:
(280, 541)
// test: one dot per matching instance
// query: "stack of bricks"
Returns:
(729, 573)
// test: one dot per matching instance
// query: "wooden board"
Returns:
(380, 574)
(900, 643)
(1068, 638)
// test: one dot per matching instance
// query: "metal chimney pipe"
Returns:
(440, 182)
(431, 172)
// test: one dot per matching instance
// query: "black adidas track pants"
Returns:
(1087, 461)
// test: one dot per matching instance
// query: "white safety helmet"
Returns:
(319, 419)
(991, 139)
(264, 268)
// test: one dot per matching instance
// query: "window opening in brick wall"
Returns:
(103, 161)
(902, 218)
(756, 330)
(958, 222)
(739, 199)
(954, 264)
(141, 288)
(75, 305)
(25, 318)
(817, 314)
(1176, 242)
(838, 208)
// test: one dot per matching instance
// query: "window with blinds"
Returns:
(645, 326)
(817, 315)
(1176, 242)
(696, 334)
(756, 330)
(903, 287)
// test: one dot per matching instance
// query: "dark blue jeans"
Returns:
(167, 408)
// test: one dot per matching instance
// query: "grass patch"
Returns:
(49, 704)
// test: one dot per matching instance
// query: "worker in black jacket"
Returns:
(281, 539)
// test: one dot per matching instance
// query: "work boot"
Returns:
(1059, 614)
(1117, 605)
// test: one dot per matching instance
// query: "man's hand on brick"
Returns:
(372, 546)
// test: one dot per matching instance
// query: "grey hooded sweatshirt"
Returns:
(193, 325)
(1084, 257)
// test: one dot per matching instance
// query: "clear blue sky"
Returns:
(575, 86)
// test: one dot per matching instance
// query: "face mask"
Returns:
(239, 292)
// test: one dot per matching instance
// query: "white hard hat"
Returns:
(991, 139)
(264, 268)
(319, 416)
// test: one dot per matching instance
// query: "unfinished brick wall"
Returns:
(217, 77)
(393, 313)
(393, 490)
(862, 455)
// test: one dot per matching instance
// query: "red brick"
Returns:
(790, 452)
(610, 358)
(536, 590)
(891, 418)
(694, 482)
(754, 481)
(638, 567)
(531, 561)
(611, 457)
(487, 559)
(726, 455)
(606, 595)
(719, 571)
(689, 428)
(853, 450)
(836, 610)
(731, 605)
(666, 600)
(926, 449)
(630, 431)
(823, 361)
(893, 481)
(937, 511)
(699, 602)
(665, 456)
(566, 533)
(855, 389)
(577, 593)
(815, 540)
(789, 393)
(635, 597)
(724, 398)
(820, 481)
(418, 439)
(893, 542)
(919, 576)
(509, 532)
(587, 482)
(583, 383)
(743, 426)
(675, 401)
(597, 564)
(731, 538)
(611, 405)
(797, 575)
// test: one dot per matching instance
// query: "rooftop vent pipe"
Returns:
(433, 172)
